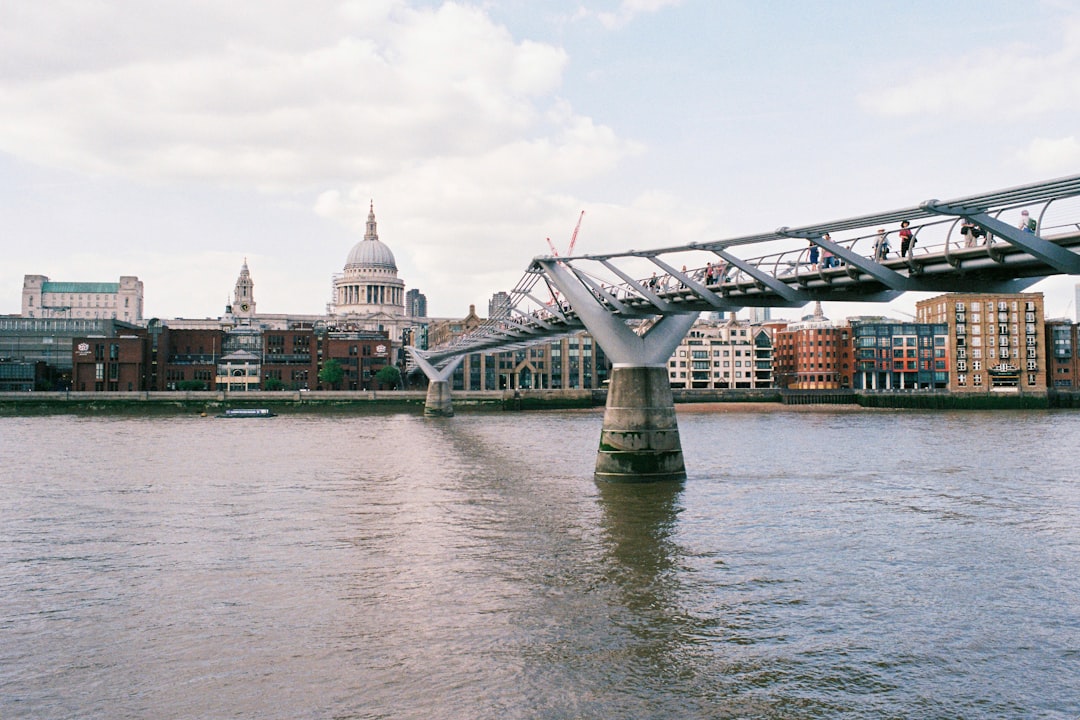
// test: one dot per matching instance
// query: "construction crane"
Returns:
(573, 238)
(569, 251)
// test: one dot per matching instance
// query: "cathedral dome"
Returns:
(369, 253)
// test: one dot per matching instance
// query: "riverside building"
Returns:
(574, 362)
(813, 354)
(1062, 359)
(895, 355)
(723, 354)
(997, 342)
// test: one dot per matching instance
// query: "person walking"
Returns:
(907, 238)
(881, 245)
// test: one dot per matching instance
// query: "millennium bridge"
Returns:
(639, 304)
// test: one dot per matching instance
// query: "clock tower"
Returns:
(244, 294)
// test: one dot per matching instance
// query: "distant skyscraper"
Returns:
(759, 315)
(415, 304)
(499, 304)
(1076, 304)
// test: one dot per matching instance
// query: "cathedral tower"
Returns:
(244, 294)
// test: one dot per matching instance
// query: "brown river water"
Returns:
(815, 564)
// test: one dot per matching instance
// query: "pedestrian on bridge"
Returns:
(907, 238)
(967, 230)
(1027, 223)
(881, 245)
(813, 255)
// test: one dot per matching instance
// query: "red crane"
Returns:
(573, 238)
(569, 250)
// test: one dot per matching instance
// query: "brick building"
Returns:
(109, 364)
(813, 354)
(1062, 358)
(997, 342)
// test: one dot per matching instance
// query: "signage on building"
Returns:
(83, 348)
(380, 349)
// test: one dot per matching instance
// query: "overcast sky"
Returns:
(171, 140)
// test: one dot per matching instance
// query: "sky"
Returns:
(174, 140)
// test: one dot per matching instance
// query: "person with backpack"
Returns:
(1027, 223)
(907, 238)
(881, 245)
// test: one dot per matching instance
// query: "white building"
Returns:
(723, 354)
(44, 298)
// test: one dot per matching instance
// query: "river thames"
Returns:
(815, 564)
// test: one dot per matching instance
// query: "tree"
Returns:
(191, 385)
(389, 376)
(272, 383)
(331, 373)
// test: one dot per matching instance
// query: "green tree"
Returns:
(331, 373)
(272, 383)
(191, 385)
(389, 376)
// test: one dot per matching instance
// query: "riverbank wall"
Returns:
(288, 402)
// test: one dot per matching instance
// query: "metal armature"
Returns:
(559, 296)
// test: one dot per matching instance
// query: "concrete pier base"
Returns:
(640, 438)
(437, 403)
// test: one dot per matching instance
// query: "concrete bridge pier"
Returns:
(639, 441)
(438, 402)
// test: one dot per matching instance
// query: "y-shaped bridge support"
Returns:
(437, 403)
(639, 441)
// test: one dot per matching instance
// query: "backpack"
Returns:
(1031, 225)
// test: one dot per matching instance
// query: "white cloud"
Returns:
(355, 100)
(627, 12)
(1005, 82)
(1051, 156)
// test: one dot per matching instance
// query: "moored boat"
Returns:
(247, 413)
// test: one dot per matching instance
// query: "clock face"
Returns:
(244, 307)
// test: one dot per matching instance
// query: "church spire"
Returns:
(371, 234)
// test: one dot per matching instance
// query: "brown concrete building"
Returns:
(997, 342)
